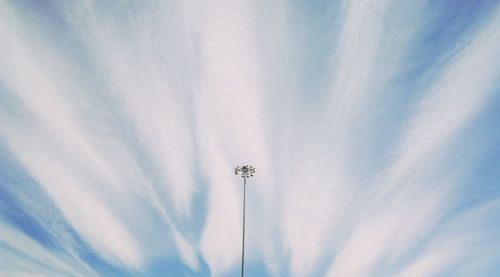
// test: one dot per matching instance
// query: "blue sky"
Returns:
(373, 126)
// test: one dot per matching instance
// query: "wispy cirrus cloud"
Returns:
(369, 125)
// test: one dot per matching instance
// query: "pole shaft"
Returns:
(243, 239)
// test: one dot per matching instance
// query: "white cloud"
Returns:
(451, 102)
(87, 160)
(93, 220)
(229, 125)
(453, 99)
(170, 96)
(23, 256)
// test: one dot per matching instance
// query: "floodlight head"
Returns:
(247, 171)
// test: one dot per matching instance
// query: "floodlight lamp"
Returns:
(247, 171)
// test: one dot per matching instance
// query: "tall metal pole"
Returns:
(243, 239)
(246, 172)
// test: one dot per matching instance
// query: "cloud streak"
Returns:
(369, 125)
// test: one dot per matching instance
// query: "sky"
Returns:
(374, 128)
